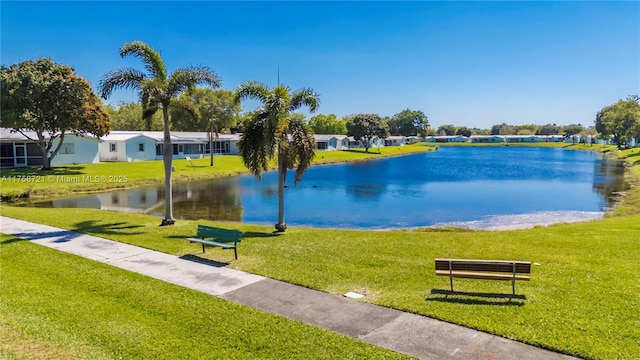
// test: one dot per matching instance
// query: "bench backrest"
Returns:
(523, 267)
(221, 235)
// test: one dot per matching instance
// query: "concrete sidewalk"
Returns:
(411, 334)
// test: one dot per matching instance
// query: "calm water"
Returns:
(479, 187)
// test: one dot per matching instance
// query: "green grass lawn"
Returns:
(63, 180)
(59, 306)
(582, 299)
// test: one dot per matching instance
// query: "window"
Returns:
(112, 147)
(141, 147)
(67, 149)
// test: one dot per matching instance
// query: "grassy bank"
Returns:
(64, 180)
(582, 300)
(59, 306)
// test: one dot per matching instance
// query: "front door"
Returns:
(20, 158)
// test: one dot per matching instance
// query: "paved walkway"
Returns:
(411, 334)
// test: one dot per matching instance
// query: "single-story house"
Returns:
(16, 150)
(525, 138)
(446, 138)
(149, 145)
(331, 142)
(487, 138)
(357, 144)
(127, 147)
(395, 141)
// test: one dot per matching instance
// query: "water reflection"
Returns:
(478, 187)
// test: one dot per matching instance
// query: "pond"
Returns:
(476, 187)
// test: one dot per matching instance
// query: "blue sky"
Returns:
(465, 63)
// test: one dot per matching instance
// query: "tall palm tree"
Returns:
(157, 90)
(272, 132)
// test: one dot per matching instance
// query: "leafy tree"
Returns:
(549, 129)
(243, 119)
(502, 129)
(573, 129)
(128, 116)
(328, 124)
(448, 129)
(431, 132)
(478, 131)
(620, 120)
(408, 123)
(274, 131)
(157, 90)
(50, 100)
(214, 108)
(526, 129)
(464, 131)
(366, 127)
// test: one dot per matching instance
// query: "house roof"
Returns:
(176, 136)
(327, 137)
(117, 136)
(9, 134)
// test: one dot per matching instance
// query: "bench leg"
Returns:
(235, 252)
(451, 282)
(203, 248)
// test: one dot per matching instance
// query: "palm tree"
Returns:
(272, 132)
(157, 90)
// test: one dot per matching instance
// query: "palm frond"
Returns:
(307, 97)
(253, 90)
(256, 149)
(150, 57)
(187, 78)
(302, 146)
(120, 79)
(154, 90)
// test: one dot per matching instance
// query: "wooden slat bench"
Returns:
(213, 236)
(484, 269)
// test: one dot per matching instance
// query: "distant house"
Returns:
(331, 142)
(413, 139)
(357, 144)
(395, 141)
(127, 147)
(487, 138)
(524, 138)
(450, 138)
(149, 145)
(18, 151)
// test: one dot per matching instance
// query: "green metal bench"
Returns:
(484, 269)
(213, 236)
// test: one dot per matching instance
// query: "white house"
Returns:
(446, 138)
(487, 138)
(149, 145)
(395, 141)
(16, 150)
(331, 142)
(127, 147)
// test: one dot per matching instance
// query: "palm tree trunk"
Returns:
(281, 226)
(167, 156)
